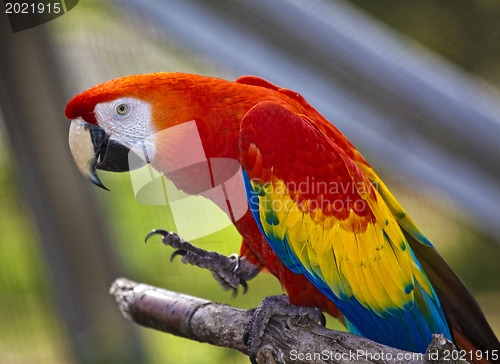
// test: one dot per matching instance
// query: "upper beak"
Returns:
(92, 149)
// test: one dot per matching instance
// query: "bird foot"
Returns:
(230, 271)
(278, 308)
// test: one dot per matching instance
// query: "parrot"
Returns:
(317, 215)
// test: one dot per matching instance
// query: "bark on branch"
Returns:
(287, 340)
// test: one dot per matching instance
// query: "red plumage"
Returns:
(218, 108)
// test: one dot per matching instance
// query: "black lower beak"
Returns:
(113, 157)
(92, 149)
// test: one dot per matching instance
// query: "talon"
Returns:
(161, 232)
(237, 260)
(322, 320)
(246, 336)
(176, 253)
(244, 285)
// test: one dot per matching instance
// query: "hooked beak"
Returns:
(92, 149)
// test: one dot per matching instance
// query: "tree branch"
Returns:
(287, 341)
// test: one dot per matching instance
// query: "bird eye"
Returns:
(122, 109)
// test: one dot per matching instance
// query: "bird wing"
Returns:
(325, 219)
(467, 323)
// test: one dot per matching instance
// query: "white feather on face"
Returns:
(127, 120)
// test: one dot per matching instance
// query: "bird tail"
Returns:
(469, 328)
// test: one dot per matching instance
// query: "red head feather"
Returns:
(144, 86)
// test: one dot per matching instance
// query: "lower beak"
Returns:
(92, 149)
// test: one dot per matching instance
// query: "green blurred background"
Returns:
(99, 40)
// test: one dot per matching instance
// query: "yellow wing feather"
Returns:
(374, 265)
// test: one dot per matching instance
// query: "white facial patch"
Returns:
(127, 120)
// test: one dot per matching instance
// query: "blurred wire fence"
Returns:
(431, 129)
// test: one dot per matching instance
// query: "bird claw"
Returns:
(176, 253)
(278, 308)
(163, 233)
(244, 284)
(236, 258)
(230, 272)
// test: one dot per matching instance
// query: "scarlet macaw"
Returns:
(343, 244)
